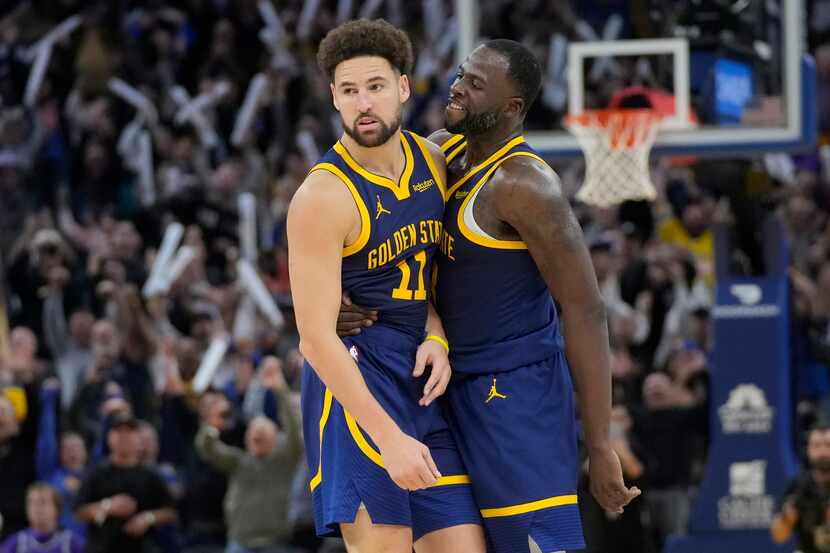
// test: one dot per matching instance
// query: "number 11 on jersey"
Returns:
(403, 291)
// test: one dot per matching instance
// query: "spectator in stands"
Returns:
(256, 505)
(629, 323)
(668, 427)
(17, 444)
(60, 460)
(149, 457)
(803, 511)
(44, 278)
(74, 355)
(691, 229)
(628, 532)
(121, 500)
(43, 507)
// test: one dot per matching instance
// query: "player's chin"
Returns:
(370, 138)
(454, 117)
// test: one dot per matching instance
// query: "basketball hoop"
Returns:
(616, 144)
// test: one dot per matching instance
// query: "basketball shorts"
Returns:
(346, 466)
(517, 434)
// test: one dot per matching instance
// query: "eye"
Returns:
(349, 91)
(376, 87)
(477, 84)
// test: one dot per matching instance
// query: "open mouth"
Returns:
(455, 106)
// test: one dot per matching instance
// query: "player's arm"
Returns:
(529, 198)
(321, 219)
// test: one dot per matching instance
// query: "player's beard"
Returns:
(821, 464)
(385, 133)
(474, 124)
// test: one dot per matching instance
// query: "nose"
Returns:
(456, 88)
(364, 102)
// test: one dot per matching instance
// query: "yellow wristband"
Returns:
(440, 340)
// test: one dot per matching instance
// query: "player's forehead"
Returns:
(820, 436)
(363, 69)
(488, 65)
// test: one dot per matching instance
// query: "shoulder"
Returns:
(10, 543)
(429, 145)
(321, 189)
(523, 180)
(440, 137)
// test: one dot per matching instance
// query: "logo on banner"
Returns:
(746, 411)
(747, 505)
(749, 298)
(747, 294)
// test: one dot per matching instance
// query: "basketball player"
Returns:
(511, 245)
(368, 218)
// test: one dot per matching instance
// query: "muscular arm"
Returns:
(315, 246)
(321, 219)
(529, 198)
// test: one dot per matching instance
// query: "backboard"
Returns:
(737, 68)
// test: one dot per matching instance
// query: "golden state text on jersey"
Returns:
(389, 267)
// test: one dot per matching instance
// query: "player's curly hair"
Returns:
(364, 37)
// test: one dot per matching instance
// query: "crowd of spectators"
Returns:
(105, 439)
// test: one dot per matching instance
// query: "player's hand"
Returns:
(432, 354)
(409, 462)
(352, 318)
(607, 484)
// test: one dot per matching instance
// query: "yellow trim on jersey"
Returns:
(371, 453)
(483, 240)
(451, 141)
(324, 418)
(365, 221)
(454, 154)
(500, 152)
(401, 188)
(555, 501)
(431, 164)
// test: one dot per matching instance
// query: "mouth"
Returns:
(455, 106)
(367, 123)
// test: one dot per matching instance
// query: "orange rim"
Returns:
(626, 128)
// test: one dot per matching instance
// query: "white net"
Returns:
(616, 144)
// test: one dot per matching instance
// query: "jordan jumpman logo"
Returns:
(494, 393)
(380, 210)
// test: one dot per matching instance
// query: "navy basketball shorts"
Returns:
(517, 434)
(346, 466)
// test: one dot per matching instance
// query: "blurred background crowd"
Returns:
(97, 402)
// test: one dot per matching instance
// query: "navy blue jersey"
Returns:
(495, 306)
(389, 267)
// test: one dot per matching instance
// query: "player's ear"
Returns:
(403, 88)
(334, 97)
(515, 106)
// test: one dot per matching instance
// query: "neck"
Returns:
(124, 459)
(44, 527)
(822, 478)
(386, 160)
(482, 146)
